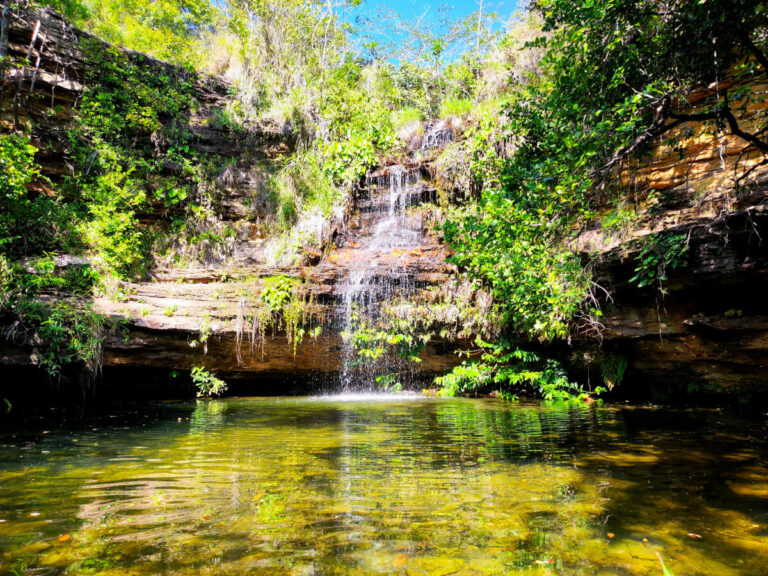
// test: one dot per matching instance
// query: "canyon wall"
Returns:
(201, 313)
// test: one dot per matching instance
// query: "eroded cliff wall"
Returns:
(704, 325)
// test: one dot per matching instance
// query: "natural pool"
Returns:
(387, 486)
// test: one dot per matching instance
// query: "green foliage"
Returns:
(17, 164)
(29, 222)
(359, 122)
(74, 10)
(619, 219)
(540, 283)
(349, 160)
(6, 281)
(166, 29)
(511, 369)
(613, 369)
(659, 253)
(125, 109)
(390, 382)
(311, 184)
(283, 306)
(304, 186)
(608, 68)
(277, 293)
(69, 333)
(455, 107)
(207, 383)
(372, 343)
(406, 117)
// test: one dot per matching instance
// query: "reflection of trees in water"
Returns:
(671, 475)
(207, 417)
(343, 487)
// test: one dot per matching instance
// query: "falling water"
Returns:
(436, 135)
(379, 271)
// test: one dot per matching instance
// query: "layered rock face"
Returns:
(204, 314)
(706, 325)
(169, 315)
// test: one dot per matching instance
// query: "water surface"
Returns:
(381, 486)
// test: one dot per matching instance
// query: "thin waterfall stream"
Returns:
(388, 252)
(380, 273)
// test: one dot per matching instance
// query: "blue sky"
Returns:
(459, 8)
(380, 29)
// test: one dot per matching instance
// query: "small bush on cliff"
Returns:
(207, 383)
(32, 220)
(658, 254)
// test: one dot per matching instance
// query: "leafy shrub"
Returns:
(282, 306)
(207, 383)
(511, 369)
(69, 333)
(659, 253)
(18, 169)
(347, 161)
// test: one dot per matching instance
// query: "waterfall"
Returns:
(378, 271)
(380, 264)
(436, 135)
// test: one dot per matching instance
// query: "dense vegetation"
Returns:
(554, 105)
(614, 76)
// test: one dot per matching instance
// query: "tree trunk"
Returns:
(3, 44)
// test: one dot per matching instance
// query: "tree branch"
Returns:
(746, 174)
(658, 127)
(733, 124)
(756, 52)
(696, 117)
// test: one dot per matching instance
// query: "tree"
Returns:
(614, 77)
(631, 64)
(165, 29)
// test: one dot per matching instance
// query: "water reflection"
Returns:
(417, 486)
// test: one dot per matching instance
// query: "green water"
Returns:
(436, 487)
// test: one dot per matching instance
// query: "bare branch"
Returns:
(733, 124)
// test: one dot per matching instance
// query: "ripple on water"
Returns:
(371, 484)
